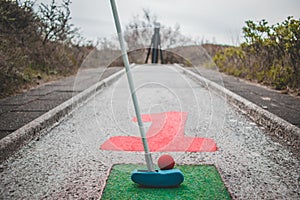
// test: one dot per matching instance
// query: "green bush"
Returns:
(231, 61)
(280, 76)
(270, 55)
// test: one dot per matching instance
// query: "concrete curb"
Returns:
(13, 142)
(277, 127)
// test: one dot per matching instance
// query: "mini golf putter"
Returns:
(149, 177)
(165, 177)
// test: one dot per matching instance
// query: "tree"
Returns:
(55, 21)
(287, 37)
(139, 31)
(18, 29)
(18, 21)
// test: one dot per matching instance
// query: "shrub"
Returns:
(270, 54)
(25, 55)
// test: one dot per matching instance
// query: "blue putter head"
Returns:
(158, 178)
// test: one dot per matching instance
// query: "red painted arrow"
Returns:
(166, 133)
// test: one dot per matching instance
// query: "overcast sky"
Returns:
(218, 20)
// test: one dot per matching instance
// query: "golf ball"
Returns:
(165, 162)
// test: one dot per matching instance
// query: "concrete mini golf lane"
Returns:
(67, 161)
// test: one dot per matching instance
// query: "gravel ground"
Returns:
(67, 162)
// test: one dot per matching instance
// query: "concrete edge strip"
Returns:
(276, 126)
(22, 136)
(104, 180)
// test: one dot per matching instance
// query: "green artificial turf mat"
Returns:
(200, 182)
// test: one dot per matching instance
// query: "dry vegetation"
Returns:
(36, 47)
